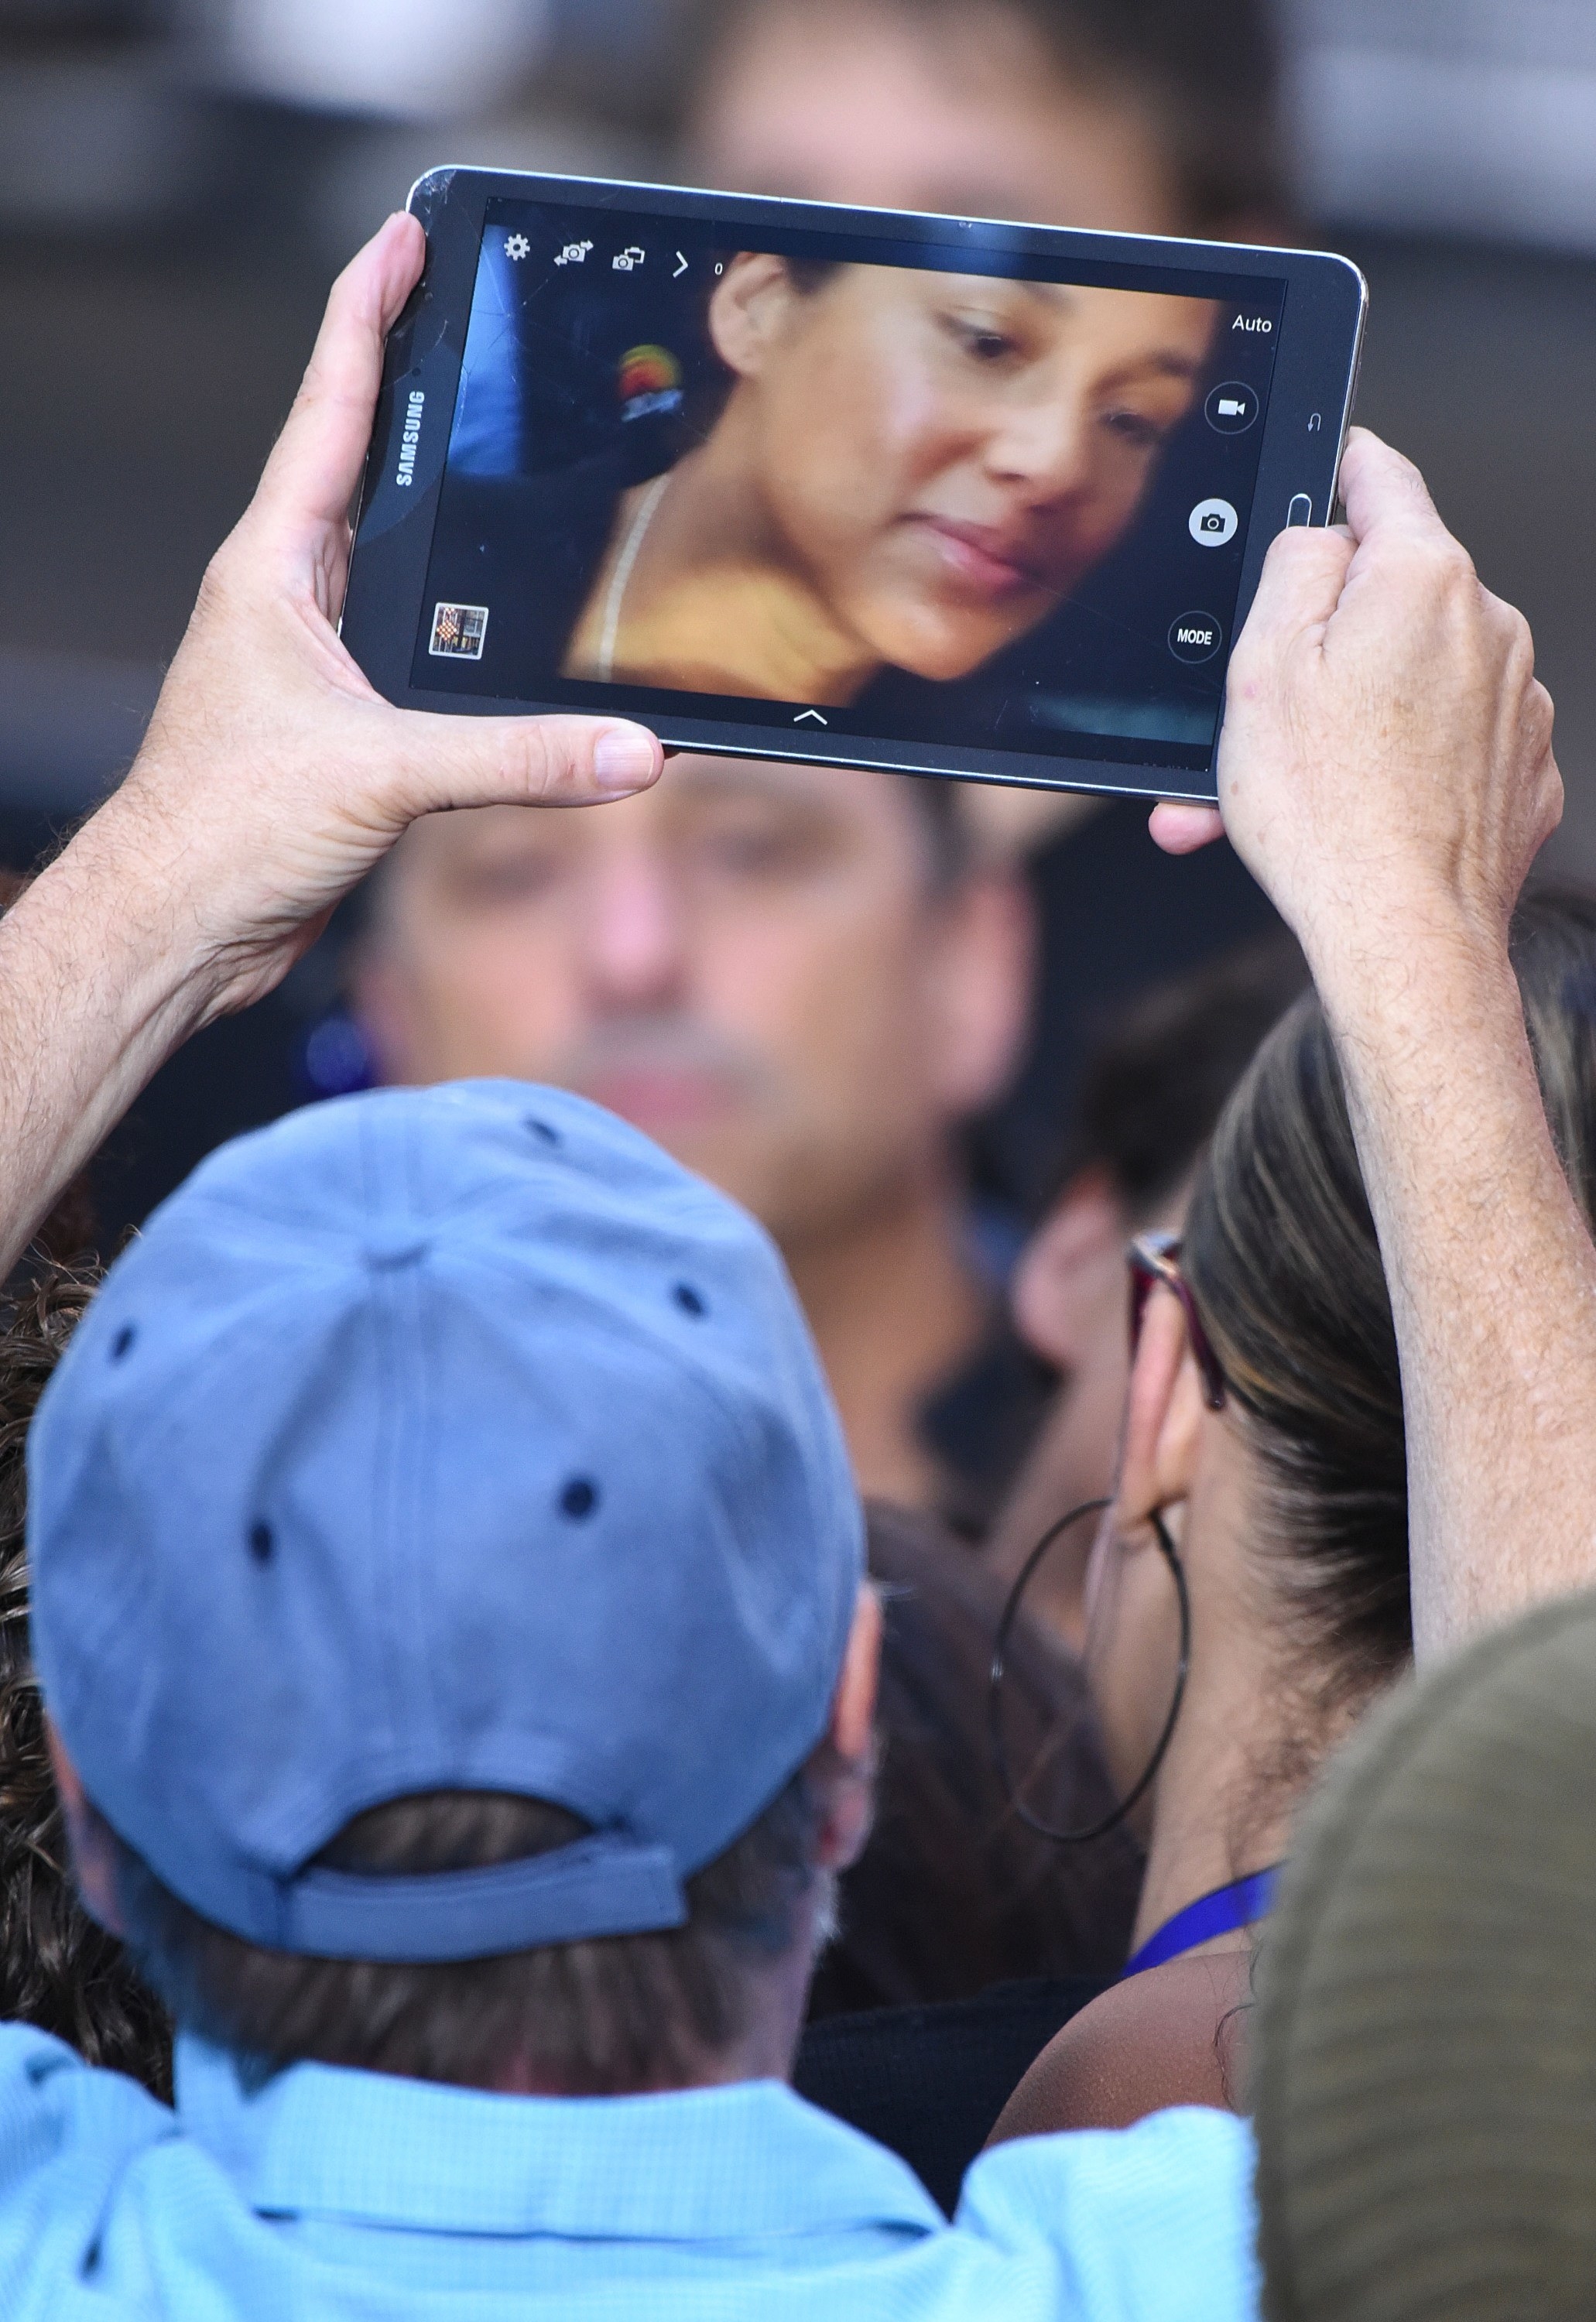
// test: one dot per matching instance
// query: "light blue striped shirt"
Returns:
(334, 2196)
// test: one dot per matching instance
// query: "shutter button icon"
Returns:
(1212, 523)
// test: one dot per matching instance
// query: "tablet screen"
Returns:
(905, 490)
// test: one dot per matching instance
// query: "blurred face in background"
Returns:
(857, 102)
(1070, 1302)
(757, 964)
(1070, 1299)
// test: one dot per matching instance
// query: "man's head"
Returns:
(447, 1597)
(1153, 1088)
(1137, 115)
(793, 977)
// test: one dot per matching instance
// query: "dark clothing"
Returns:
(954, 1894)
(930, 2083)
(1000, 1936)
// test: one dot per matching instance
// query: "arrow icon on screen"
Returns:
(804, 714)
(681, 268)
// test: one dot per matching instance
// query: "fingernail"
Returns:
(623, 759)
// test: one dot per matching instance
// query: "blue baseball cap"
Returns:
(445, 1438)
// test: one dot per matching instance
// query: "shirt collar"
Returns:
(698, 2164)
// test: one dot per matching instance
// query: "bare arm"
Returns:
(272, 779)
(1387, 773)
(1492, 1280)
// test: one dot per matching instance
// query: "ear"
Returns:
(749, 310)
(982, 970)
(94, 1864)
(852, 1725)
(1079, 1245)
(1162, 1417)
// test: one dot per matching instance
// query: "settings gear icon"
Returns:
(516, 246)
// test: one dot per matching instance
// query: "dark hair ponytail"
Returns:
(1281, 1257)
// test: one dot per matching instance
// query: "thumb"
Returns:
(1385, 495)
(463, 761)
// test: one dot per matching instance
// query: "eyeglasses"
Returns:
(1156, 1258)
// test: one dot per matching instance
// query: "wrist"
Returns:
(115, 911)
(1422, 956)
(1440, 1082)
(94, 997)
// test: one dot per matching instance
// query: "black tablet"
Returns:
(789, 481)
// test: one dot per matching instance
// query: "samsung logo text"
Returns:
(410, 438)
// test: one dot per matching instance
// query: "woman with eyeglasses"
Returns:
(1249, 1588)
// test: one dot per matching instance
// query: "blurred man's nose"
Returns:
(633, 930)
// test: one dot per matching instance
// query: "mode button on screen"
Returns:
(1195, 637)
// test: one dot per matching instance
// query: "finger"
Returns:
(1299, 590)
(1181, 829)
(460, 762)
(1552, 794)
(316, 465)
(1384, 493)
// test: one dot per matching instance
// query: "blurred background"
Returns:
(179, 179)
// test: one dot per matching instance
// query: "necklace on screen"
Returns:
(614, 596)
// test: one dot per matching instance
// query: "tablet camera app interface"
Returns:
(887, 493)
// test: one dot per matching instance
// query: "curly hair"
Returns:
(57, 1969)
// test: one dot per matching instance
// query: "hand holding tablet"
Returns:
(782, 480)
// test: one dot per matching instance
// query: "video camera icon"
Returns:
(1231, 407)
(1212, 523)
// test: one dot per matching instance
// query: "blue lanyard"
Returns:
(1222, 1913)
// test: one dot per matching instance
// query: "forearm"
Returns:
(273, 778)
(96, 990)
(1492, 1279)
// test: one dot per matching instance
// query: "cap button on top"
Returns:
(386, 1252)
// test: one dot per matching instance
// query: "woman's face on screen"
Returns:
(945, 456)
